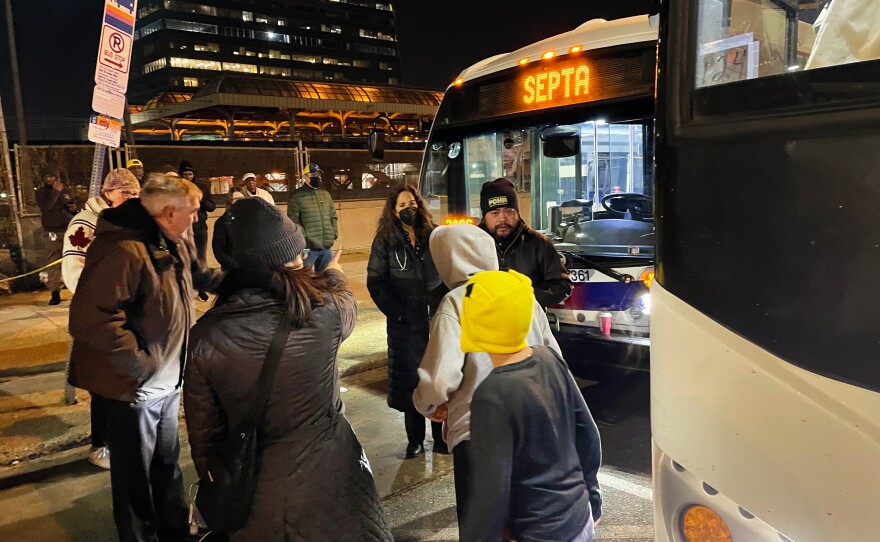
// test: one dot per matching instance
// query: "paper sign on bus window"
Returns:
(727, 60)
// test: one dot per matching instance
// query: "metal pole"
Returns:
(16, 81)
(129, 133)
(97, 170)
(10, 187)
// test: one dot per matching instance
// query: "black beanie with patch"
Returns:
(497, 194)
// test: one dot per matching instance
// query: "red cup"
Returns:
(605, 323)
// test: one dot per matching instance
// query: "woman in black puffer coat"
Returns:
(405, 286)
(313, 482)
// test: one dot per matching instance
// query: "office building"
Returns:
(180, 46)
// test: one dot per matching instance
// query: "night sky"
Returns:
(57, 44)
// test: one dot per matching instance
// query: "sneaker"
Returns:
(100, 457)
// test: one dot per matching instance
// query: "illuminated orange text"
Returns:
(557, 85)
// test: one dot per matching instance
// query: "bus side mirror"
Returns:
(376, 142)
(560, 141)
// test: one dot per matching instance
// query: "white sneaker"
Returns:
(100, 457)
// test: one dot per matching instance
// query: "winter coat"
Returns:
(242, 192)
(446, 376)
(407, 289)
(314, 481)
(533, 255)
(54, 208)
(206, 205)
(79, 235)
(312, 208)
(221, 242)
(131, 315)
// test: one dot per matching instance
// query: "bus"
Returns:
(569, 121)
(765, 354)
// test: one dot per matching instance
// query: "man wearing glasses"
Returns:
(519, 247)
(119, 186)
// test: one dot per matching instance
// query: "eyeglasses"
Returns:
(128, 193)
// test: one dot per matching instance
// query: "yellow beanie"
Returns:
(496, 312)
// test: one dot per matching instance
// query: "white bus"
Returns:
(569, 120)
(765, 355)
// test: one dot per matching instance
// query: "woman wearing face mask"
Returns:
(405, 286)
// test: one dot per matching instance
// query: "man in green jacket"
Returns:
(311, 207)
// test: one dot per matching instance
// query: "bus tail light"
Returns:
(702, 524)
(647, 277)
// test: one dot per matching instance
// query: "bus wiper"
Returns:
(622, 277)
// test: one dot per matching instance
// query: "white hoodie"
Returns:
(79, 235)
(446, 375)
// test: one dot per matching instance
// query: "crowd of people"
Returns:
(470, 354)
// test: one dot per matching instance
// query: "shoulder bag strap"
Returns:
(270, 366)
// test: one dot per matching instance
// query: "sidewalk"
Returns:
(37, 429)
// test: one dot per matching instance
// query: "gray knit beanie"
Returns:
(262, 236)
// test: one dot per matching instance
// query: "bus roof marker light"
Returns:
(548, 55)
(702, 524)
(576, 49)
(458, 82)
(523, 61)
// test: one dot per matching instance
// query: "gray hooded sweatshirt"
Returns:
(446, 375)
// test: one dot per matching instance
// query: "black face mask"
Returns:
(408, 216)
(315, 181)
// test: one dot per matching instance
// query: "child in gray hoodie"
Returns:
(448, 377)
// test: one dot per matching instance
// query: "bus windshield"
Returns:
(597, 202)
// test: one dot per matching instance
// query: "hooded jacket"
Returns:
(131, 315)
(79, 235)
(533, 255)
(446, 375)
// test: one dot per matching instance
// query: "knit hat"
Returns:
(184, 167)
(497, 194)
(50, 170)
(134, 162)
(262, 236)
(120, 179)
(496, 312)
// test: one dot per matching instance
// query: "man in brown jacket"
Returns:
(130, 321)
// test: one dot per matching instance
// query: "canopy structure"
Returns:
(236, 107)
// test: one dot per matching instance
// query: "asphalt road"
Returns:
(70, 501)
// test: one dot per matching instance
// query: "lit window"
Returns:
(236, 67)
(190, 82)
(155, 65)
(194, 64)
(247, 16)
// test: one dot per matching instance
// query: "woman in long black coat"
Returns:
(405, 286)
(314, 481)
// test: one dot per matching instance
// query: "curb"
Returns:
(43, 368)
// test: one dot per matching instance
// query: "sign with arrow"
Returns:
(114, 52)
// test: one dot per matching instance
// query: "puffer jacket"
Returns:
(407, 289)
(313, 481)
(131, 315)
(533, 255)
(312, 208)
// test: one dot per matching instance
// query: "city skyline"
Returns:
(57, 53)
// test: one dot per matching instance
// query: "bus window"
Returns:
(747, 39)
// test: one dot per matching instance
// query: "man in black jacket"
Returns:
(57, 208)
(521, 248)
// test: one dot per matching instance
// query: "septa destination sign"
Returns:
(589, 76)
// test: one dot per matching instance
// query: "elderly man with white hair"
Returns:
(130, 321)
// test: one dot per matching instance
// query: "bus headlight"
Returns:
(645, 303)
(702, 524)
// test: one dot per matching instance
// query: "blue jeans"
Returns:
(319, 258)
